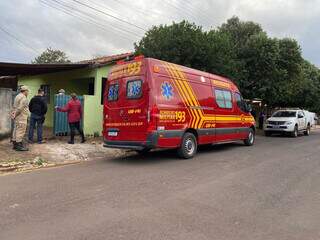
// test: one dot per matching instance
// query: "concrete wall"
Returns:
(5, 108)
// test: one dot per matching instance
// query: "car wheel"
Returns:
(250, 139)
(295, 132)
(188, 146)
(307, 131)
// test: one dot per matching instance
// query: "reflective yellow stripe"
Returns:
(182, 95)
(198, 118)
(185, 93)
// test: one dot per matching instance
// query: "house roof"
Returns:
(108, 59)
(13, 69)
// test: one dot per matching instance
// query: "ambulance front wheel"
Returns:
(188, 146)
(250, 139)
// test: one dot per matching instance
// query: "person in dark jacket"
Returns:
(74, 111)
(38, 109)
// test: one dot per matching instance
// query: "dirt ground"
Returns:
(55, 151)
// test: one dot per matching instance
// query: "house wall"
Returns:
(93, 109)
(73, 81)
(5, 109)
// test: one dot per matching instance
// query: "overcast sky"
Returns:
(88, 28)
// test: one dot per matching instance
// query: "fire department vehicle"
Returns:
(156, 104)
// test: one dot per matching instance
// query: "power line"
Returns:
(110, 15)
(187, 10)
(201, 11)
(81, 18)
(180, 9)
(143, 13)
(18, 40)
(88, 17)
(103, 6)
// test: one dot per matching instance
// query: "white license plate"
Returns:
(112, 134)
(275, 126)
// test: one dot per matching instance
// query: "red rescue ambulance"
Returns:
(156, 104)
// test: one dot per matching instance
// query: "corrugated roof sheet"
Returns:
(108, 59)
(12, 69)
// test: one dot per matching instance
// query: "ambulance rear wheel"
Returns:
(188, 146)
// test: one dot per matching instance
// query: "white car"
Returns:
(288, 121)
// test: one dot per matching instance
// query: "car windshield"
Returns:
(284, 114)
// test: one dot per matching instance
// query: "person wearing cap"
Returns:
(38, 109)
(74, 111)
(20, 115)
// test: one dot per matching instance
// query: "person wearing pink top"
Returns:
(74, 110)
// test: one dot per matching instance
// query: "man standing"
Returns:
(20, 115)
(38, 109)
(74, 110)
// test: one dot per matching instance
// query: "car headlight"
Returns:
(288, 123)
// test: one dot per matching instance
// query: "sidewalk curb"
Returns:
(16, 169)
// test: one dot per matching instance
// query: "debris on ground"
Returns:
(54, 152)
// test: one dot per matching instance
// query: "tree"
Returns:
(239, 31)
(51, 56)
(182, 43)
(268, 68)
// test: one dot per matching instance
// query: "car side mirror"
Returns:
(300, 116)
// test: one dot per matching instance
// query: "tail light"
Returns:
(152, 118)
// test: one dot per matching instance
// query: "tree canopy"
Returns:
(51, 56)
(263, 67)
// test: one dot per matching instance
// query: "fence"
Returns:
(60, 122)
(6, 100)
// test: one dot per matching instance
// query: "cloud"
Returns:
(88, 33)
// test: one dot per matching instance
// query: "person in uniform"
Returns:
(20, 115)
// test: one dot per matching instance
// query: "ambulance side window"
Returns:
(240, 101)
(134, 89)
(223, 98)
(113, 92)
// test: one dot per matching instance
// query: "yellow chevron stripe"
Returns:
(193, 97)
(198, 118)
(189, 89)
(177, 88)
(187, 99)
(182, 95)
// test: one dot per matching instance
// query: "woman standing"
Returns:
(74, 111)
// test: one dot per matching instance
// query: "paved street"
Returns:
(268, 191)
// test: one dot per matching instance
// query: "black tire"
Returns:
(307, 131)
(250, 139)
(295, 132)
(188, 146)
(267, 133)
(143, 151)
